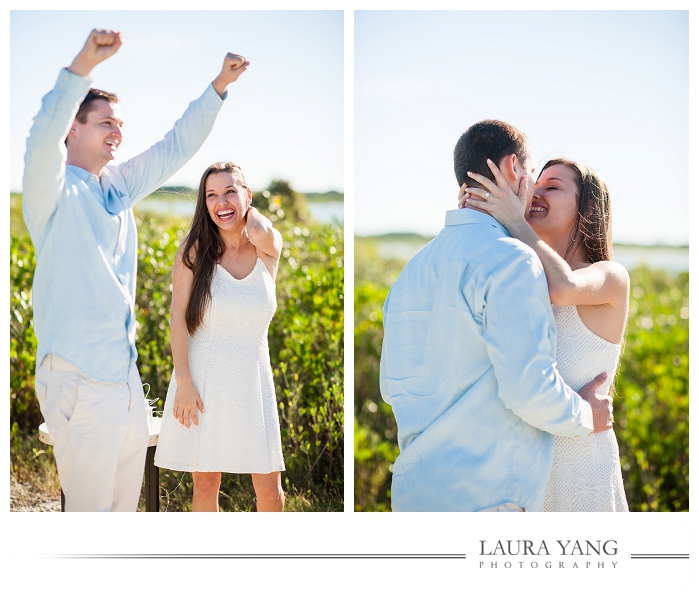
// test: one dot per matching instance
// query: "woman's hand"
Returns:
(186, 403)
(497, 199)
(262, 234)
(234, 65)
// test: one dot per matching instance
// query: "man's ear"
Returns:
(71, 133)
(73, 129)
(508, 167)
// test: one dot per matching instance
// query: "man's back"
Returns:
(467, 365)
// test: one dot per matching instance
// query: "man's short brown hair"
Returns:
(492, 139)
(92, 96)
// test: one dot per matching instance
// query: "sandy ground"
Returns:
(25, 498)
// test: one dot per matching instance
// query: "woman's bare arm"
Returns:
(601, 283)
(187, 399)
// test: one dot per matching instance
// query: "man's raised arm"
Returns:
(521, 344)
(147, 171)
(45, 158)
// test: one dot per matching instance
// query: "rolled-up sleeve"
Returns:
(520, 337)
(45, 158)
(147, 171)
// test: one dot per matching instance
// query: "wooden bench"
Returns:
(152, 471)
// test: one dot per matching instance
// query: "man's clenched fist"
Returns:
(234, 65)
(100, 45)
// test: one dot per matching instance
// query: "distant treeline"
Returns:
(325, 197)
(320, 197)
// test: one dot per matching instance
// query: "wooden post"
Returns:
(152, 482)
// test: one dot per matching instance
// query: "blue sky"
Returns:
(609, 89)
(283, 117)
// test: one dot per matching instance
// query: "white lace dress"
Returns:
(229, 363)
(586, 474)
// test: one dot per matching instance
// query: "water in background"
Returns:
(326, 212)
(670, 259)
(323, 212)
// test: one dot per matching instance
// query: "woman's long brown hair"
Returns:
(204, 247)
(593, 225)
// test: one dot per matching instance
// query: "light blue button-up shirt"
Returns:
(468, 365)
(84, 233)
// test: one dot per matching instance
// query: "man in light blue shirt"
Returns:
(79, 215)
(468, 358)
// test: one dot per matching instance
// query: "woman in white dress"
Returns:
(568, 224)
(221, 413)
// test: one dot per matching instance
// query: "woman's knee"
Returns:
(268, 488)
(206, 483)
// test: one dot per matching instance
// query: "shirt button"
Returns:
(50, 111)
(66, 77)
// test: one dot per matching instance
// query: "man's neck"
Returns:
(92, 166)
(474, 208)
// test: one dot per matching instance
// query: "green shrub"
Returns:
(24, 408)
(375, 430)
(651, 404)
(307, 348)
(157, 247)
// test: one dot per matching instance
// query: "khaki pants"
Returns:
(99, 433)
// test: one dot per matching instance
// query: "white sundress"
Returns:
(238, 431)
(586, 474)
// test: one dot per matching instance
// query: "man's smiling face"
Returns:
(100, 135)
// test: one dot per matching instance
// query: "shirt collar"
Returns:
(83, 174)
(457, 217)
(104, 178)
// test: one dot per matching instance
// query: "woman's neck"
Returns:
(560, 244)
(235, 239)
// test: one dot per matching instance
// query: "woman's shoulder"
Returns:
(613, 271)
(603, 284)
